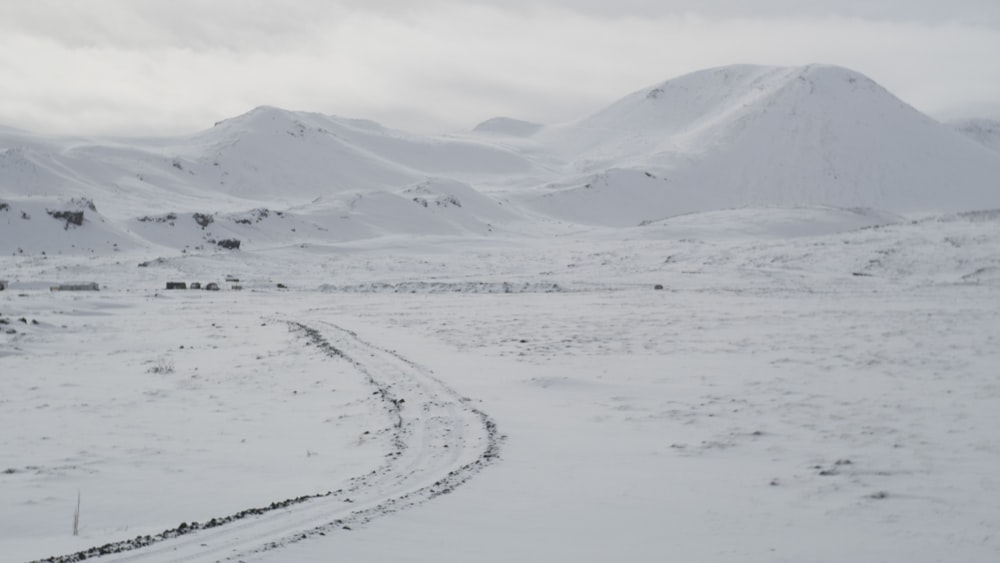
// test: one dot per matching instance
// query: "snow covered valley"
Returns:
(750, 314)
(818, 398)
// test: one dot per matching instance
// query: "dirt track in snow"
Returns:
(439, 441)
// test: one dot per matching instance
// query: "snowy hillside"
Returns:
(807, 385)
(327, 178)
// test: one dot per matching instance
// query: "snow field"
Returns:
(168, 409)
(769, 404)
(707, 425)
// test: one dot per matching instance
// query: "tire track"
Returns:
(438, 442)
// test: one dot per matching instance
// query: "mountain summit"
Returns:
(752, 135)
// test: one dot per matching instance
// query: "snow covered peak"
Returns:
(270, 120)
(507, 126)
(258, 116)
(751, 135)
(715, 95)
(265, 112)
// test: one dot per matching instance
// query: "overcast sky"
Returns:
(177, 66)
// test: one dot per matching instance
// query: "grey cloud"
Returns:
(190, 24)
(978, 12)
(155, 66)
(983, 12)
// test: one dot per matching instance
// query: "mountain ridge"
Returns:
(721, 138)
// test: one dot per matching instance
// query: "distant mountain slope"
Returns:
(267, 177)
(265, 155)
(60, 226)
(49, 226)
(984, 131)
(747, 135)
(270, 152)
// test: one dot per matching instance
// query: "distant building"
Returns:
(3, 285)
(87, 286)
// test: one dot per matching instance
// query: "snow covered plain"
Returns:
(824, 398)
(454, 349)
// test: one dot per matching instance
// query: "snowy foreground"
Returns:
(831, 397)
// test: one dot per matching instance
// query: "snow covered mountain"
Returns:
(722, 138)
(750, 136)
